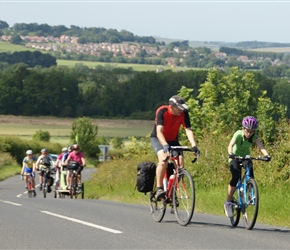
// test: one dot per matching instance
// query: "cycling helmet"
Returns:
(64, 149)
(75, 147)
(250, 122)
(69, 148)
(179, 102)
(29, 152)
(44, 150)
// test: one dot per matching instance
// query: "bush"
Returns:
(41, 136)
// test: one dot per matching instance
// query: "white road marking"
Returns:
(83, 222)
(12, 203)
(19, 195)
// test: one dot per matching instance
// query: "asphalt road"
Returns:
(38, 223)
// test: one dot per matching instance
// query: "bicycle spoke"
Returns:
(184, 198)
(158, 208)
(251, 204)
(236, 209)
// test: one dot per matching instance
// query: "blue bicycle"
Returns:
(246, 196)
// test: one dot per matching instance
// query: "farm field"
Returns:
(136, 67)
(60, 128)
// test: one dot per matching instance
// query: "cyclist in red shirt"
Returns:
(168, 120)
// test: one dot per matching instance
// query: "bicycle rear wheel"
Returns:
(184, 198)
(251, 203)
(236, 209)
(157, 208)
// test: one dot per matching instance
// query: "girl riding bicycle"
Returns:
(28, 167)
(240, 145)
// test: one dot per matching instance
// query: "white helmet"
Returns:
(64, 149)
(29, 152)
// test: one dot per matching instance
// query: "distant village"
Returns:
(70, 44)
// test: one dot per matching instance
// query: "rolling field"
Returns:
(60, 128)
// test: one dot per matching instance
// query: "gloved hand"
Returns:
(268, 158)
(196, 150)
(232, 156)
(166, 148)
(32, 174)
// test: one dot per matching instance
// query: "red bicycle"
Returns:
(28, 179)
(180, 192)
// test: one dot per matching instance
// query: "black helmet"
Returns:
(178, 102)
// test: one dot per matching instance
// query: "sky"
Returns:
(224, 21)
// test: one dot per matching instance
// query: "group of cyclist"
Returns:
(69, 154)
(165, 132)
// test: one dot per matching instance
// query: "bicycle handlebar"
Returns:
(259, 158)
(180, 148)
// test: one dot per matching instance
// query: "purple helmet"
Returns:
(250, 122)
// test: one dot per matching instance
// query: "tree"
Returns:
(84, 133)
(16, 39)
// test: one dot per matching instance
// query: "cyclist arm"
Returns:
(83, 161)
(160, 135)
(23, 167)
(231, 145)
(67, 160)
(261, 147)
(190, 136)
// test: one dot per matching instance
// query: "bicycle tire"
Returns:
(251, 204)
(157, 208)
(71, 187)
(83, 191)
(236, 209)
(184, 198)
(44, 187)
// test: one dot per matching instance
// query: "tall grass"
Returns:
(116, 179)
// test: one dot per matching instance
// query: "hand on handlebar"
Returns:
(232, 156)
(166, 148)
(267, 158)
(196, 151)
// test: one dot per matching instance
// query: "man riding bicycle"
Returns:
(168, 120)
(76, 156)
(43, 163)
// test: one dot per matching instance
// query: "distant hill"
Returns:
(249, 45)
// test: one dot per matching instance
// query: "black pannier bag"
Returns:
(145, 176)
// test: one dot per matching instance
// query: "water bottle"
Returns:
(165, 183)
(171, 180)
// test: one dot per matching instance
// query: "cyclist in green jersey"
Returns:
(240, 145)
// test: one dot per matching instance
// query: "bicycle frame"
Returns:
(180, 192)
(246, 196)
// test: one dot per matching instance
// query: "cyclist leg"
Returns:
(79, 175)
(235, 171)
(161, 167)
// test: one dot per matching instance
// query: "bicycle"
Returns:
(246, 196)
(180, 191)
(46, 183)
(28, 178)
(74, 190)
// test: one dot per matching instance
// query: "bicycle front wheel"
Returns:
(251, 203)
(184, 198)
(157, 208)
(236, 209)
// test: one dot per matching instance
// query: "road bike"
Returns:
(180, 191)
(28, 178)
(245, 199)
(74, 190)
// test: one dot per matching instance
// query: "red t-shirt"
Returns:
(171, 123)
(76, 157)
